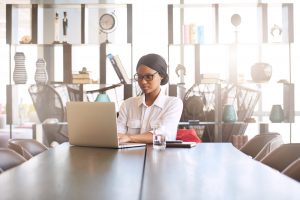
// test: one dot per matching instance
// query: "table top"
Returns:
(207, 171)
(213, 171)
(69, 172)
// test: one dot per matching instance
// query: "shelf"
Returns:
(83, 19)
(209, 123)
(73, 44)
(257, 21)
(203, 39)
(205, 5)
(86, 45)
(221, 123)
(239, 44)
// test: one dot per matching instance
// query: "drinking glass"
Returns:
(159, 140)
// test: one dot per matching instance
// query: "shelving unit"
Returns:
(37, 10)
(83, 31)
(224, 46)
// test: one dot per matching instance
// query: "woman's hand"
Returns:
(123, 138)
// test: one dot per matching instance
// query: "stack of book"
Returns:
(193, 34)
(210, 78)
(81, 78)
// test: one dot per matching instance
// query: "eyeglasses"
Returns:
(146, 77)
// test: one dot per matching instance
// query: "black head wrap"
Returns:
(157, 63)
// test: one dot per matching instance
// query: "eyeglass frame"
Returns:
(138, 77)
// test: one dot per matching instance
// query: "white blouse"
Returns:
(135, 117)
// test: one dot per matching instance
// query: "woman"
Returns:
(138, 115)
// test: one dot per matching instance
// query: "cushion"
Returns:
(188, 135)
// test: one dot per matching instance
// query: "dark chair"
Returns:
(26, 147)
(293, 170)
(262, 144)
(269, 147)
(75, 93)
(283, 156)
(9, 159)
(49, 103)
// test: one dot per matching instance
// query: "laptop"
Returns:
(94, 124)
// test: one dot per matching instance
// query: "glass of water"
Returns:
(159, 140)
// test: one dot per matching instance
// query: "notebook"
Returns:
(94, 124)
(181, 144)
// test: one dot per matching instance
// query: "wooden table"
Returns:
(76, 173)
(212, 171)
(208, 171)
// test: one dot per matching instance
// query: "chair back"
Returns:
(47, 102)
(75, 93)
(281, 157)
(9, 159)
(293, 170)
(270, 146)
(26, 147)
(257, 143)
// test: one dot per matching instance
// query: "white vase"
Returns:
(41, 76)
(19, 74)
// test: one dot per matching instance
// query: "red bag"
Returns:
(188, 135)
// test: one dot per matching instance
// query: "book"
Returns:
(210, 80)
(186, 34)
(200, 34)
(119, 69)
(210, 75)
(81, 80)
(86, 75)
(193, 34)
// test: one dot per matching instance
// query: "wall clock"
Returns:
(107, 23)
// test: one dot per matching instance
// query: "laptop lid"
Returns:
(93, 124)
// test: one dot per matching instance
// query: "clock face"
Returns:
(107, 22)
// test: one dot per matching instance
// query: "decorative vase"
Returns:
(276, 115)
(229, 114)
(41, 76)
(261, 72)
(19, 74)
(102, 98)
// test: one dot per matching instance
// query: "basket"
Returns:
(199, 104)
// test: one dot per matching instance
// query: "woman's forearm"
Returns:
(136, 138)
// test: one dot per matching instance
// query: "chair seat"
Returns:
(26, 147)
(9, 159)
(283, 156)
(255, 145)
(269, 147)
(293, 170)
